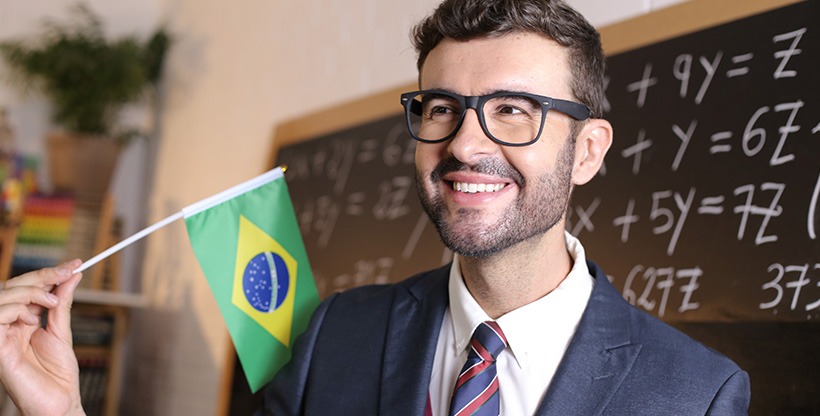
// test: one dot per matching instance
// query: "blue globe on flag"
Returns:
(265, 282)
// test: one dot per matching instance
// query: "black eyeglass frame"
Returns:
(577, 111)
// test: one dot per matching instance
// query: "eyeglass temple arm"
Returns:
(572, 109)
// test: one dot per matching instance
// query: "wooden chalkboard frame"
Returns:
(680, 20)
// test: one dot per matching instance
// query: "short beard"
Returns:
(532, 214)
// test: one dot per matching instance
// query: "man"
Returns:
(506, 124)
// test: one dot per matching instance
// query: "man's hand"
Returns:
(37, 365)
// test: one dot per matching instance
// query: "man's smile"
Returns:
(472, 188)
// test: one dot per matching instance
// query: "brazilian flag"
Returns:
(248, 245)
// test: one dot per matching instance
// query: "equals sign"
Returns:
(711, 205)
(739, 71)
(368, 150)
(354, 203)
(720, 148)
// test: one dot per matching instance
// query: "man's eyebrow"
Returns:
(439, 89)
(510, 92)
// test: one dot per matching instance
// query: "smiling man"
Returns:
(507, 120)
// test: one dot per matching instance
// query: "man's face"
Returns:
(483, 196)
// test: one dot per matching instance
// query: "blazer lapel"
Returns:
(598, 358)
(410, 347)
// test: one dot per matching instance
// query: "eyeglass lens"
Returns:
(512, 118)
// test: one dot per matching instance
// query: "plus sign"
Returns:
(643, 85)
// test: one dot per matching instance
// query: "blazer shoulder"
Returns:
(682, 373)
(706, 376)
(654, 334)
(670, 350)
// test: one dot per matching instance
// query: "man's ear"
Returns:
(591, 146)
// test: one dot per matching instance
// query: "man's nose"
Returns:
(470, 142)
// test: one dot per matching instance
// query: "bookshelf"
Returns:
(98, 332)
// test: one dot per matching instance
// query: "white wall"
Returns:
(236, 70)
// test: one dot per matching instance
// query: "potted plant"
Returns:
(87, 79)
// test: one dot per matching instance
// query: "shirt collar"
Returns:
(568, 301)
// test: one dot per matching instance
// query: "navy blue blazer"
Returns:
(369, 351)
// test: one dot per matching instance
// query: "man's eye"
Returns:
(509, 110)
(440, 110)
(514, 106)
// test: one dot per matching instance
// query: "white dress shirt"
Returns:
(538, 334)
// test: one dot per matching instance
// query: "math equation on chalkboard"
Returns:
(707, 206)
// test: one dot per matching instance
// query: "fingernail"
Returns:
(52, 298)
(64, 270)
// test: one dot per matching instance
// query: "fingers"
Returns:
(45, 278)
(15, 312)
(59, 318)
(20, 303)
(23, 297)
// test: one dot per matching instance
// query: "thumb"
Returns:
(59, 318)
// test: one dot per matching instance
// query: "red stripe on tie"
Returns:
(479, 401)
(481, 351)
(495, 327)
(472, 372)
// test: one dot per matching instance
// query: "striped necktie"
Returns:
(476, 391)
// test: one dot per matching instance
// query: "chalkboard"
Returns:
(707, 208)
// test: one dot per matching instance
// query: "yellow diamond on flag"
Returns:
(264, 281)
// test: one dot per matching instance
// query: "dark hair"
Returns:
(470, 19)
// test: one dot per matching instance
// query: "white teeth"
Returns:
(473, 188)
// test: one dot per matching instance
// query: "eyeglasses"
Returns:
(507, 118)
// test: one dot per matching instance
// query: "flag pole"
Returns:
(128, 241)
(189, 210)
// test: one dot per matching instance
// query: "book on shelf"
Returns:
(93, 383)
